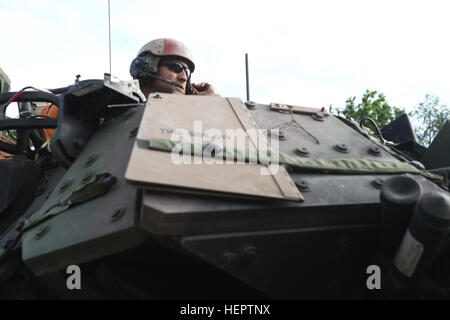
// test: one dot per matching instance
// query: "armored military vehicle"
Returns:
(153, 198)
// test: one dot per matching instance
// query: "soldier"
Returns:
(165, 65)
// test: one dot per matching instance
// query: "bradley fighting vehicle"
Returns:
(130, 192)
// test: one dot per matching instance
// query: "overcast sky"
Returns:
(310, 53)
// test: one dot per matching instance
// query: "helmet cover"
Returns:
(166, 47)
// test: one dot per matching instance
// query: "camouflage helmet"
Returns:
(166, 47)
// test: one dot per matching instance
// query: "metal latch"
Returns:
(297, 109)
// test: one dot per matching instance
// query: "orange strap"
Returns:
(50, 110)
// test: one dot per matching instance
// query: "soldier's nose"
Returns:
(182, 76)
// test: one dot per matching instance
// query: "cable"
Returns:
(18, 93)
(376, 128)
(297, 125)
(48, 109)
(14, 97)
(175, 84)
(42, 90)
(36, 134)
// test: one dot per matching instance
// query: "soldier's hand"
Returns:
(205, 89)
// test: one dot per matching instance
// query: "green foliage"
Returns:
(373, 105)
(8, 135)
(431, 115)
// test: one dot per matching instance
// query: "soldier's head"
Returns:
(163, 65)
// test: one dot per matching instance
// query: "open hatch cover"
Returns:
(220, 124)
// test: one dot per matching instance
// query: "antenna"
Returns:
(246, 77)
(109, 24)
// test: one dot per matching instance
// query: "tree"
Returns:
(8, 135)
(430, 116)
(373, 105)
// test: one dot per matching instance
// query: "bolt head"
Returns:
(65, 185)
(378, 183)
(78, 142)
(109, 181)
(90, 160)
(118, 214)
(249, 254)
(375, 150)
(302, 151)
(302, 185)
(318, 116)
(250, 104)
(133, 133)
(86, 177)
(342, 147)
(42, 231)
(280, 135)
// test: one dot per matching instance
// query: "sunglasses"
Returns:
(177, 67)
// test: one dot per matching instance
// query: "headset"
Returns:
(145, 68)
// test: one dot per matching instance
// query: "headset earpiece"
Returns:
(145, 68)
(138, 65)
